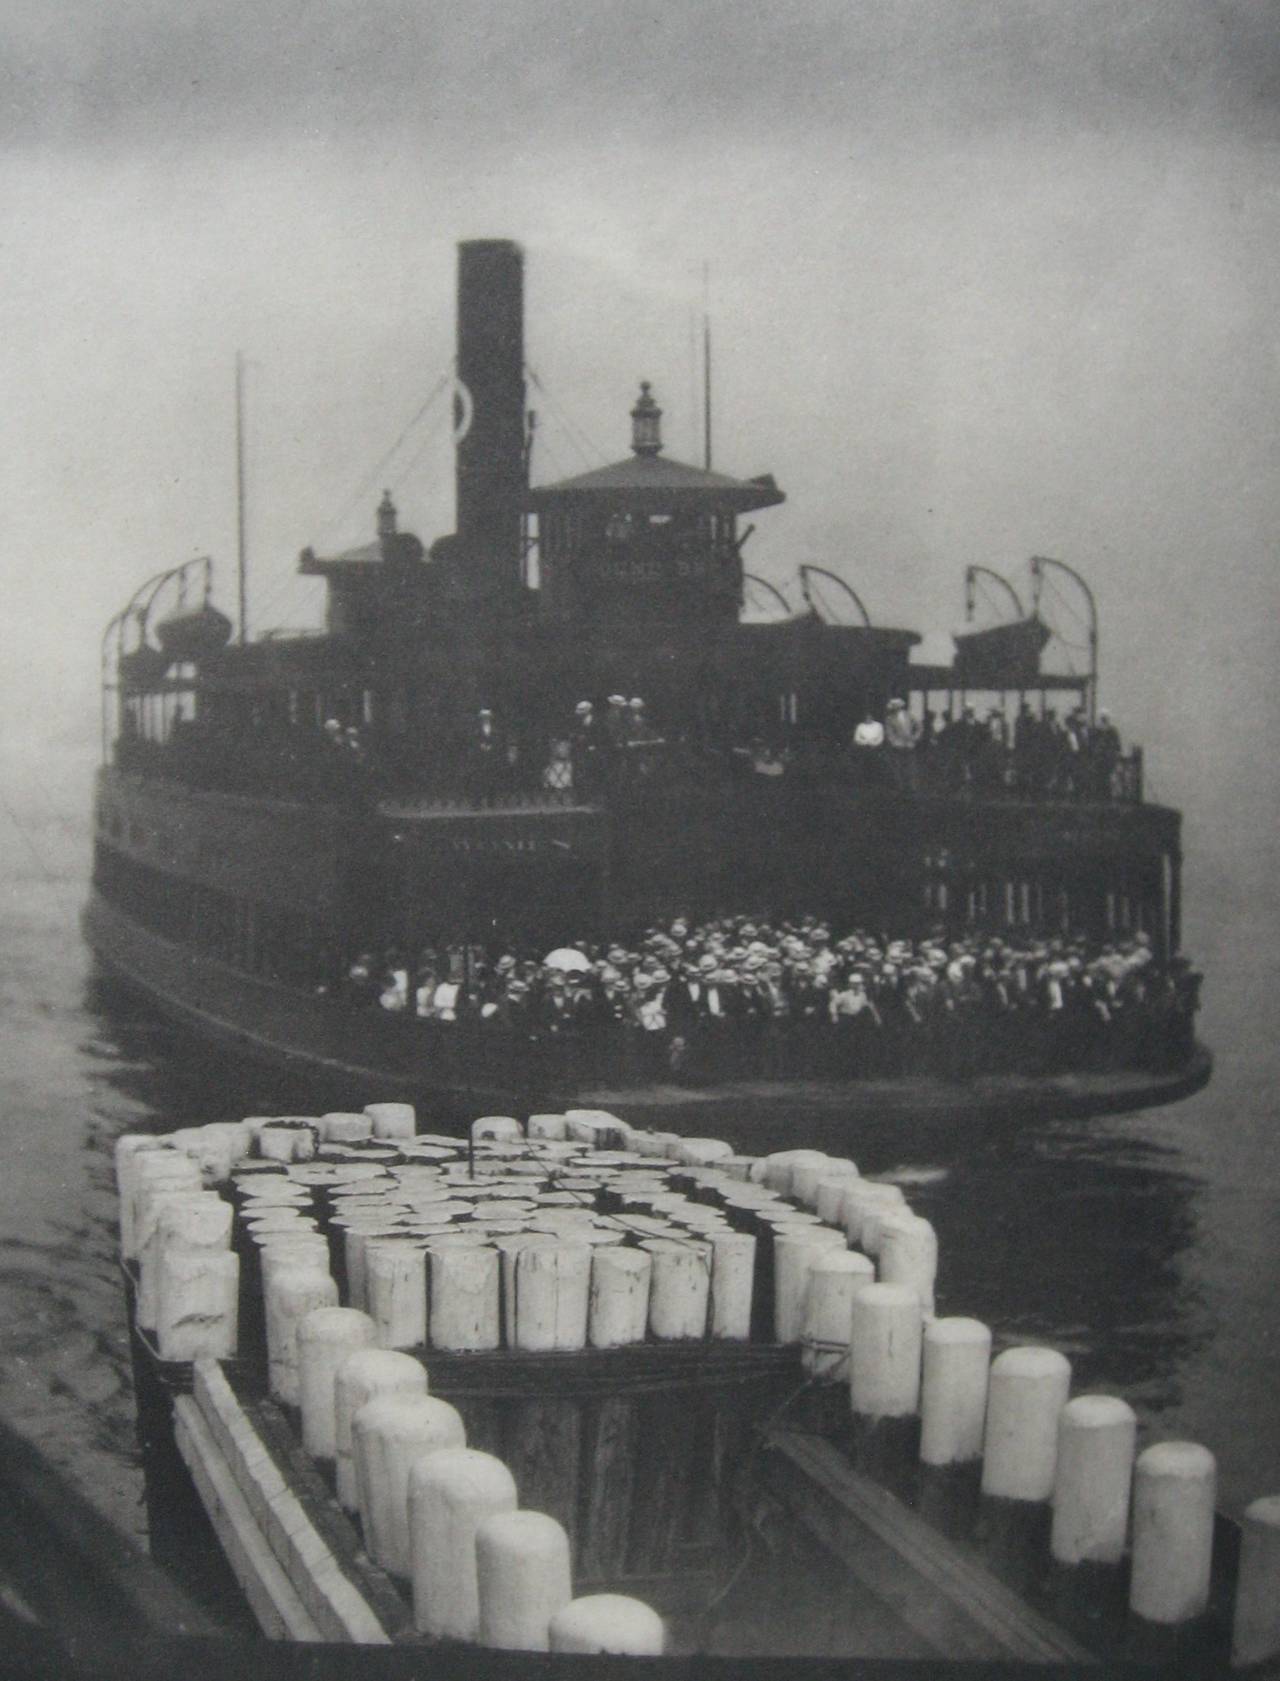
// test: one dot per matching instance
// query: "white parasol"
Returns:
(565, 957)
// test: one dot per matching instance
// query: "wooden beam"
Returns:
(948, 1600)
(275, 1603)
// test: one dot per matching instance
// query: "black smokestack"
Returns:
(490, 450)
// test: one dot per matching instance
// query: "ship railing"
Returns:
(300, 765)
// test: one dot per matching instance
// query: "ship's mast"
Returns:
(706, 366)
(241, 560)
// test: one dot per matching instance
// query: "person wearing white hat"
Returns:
(486, 756)
(617, 722)
(868, 751)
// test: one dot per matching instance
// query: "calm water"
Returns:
(1147, 1247)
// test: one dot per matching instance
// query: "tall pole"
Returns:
(241, 562)
(706, 366)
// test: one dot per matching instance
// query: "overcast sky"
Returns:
(988, 278)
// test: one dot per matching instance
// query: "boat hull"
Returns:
(358, 1055)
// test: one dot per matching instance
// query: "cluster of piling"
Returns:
(347, 1248)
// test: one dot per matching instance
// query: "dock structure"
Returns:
(545, 1387)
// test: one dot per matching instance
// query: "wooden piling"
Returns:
(451, 1492)
(388, 1435)
(464, 1302)
(909, 1255)
(396, 1291)
(794, 1253)
(292, 1292)
(1027, 1391)
(362, 1375)
(326, 1337)
(197, 1303)
(1255, 1631)
(392, 1120)
(835, 1278)
(1174, 1489)
(522, 1568)
(953, 1411)
(552, 1289)
(884, 1379)
(608, 1622)
(679, 1289)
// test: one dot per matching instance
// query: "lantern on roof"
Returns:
(646, 423)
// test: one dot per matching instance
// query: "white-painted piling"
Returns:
(805, 1179)
(128, 1147)
(909, 1255)
(396, 1292)
(503, 1128)
(388, 1435)
(326, 1336)
(392, 1120)
(586, 1126)
(451, 1492)
(733, 1275)
(884, 1352)
(699, 1152)
(861, 1199)
(608, 1622)
(828, 1202)
(1096, 1437)
(779, 1165)
(655, 1146)
(835, 1278)
(679, 1289)
(953, 1391)
(547, 1129)
(1255, 1629)
(289, 1248)
(553, 1286)
(172, 1220)
(736, 1167)
(794, 1252)
(211, 1149)
(1028, 1390)
(361, 1376)
(153, 1172)
(1174, 1489)
(342, 1126)
(292, 1292)
(618, 1312)
(880, 1216)
(509, 1245)
(522, 1572)
(355, 1251)
(288, 1141)
(464, 1312)
(197, 1304)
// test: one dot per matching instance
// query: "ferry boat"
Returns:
(424, 770)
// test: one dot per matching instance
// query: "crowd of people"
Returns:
(487, 759)
(749, 997)
(1038, 755)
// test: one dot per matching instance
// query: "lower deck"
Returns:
(356, 1054)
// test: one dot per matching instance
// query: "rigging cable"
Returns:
(577, 437)
(365, 487)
